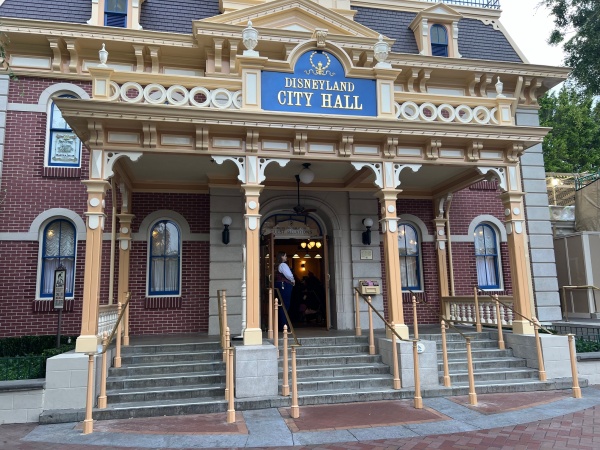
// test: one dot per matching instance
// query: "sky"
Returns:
(530, 27)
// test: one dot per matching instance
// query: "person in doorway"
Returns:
(284, 281)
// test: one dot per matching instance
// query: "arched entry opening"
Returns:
(302, 237)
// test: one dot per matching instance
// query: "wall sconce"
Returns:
(302, 267)
(366, 235)
(226, 221)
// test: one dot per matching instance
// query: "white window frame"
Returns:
(48, 141)
(498, 228)
(151, 225)
(417, 228)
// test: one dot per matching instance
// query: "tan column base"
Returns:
(522, 327)
(86, 344)
(401, 329)
(253, 336)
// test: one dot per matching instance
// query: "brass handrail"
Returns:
(387, 324)
(585, 286)
(114, 330)
(444, 322)
(280, 303)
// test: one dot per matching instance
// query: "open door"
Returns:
(267, 276)
(326, 278)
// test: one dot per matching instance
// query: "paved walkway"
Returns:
(536, 420)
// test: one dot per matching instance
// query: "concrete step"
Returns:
(170, 348)
(161, 369)
(325, 372)
(334, 360)
(325, 350)
(511, 375)
(165, 393)
(456, 337)
(162, 357)
(345, 383)
(487, 363)
(155, 381)
(476, 354)
(478, 344)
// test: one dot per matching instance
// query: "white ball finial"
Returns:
(250, 40)
(381, 50)
(103, 55)
(499, 88)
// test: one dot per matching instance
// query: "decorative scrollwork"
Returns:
(319, 69)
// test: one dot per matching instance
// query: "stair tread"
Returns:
(365, 377)
(504, 370)
(165, 376)
(165, 364)
(181, 388)
(159, 403)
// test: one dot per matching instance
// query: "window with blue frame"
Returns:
(410, 256)
(115, 13)
(58, 248)
(165, 259)
(486, 257)
(439, 40)
(64, 147)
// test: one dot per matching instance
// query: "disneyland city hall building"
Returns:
(160, 154)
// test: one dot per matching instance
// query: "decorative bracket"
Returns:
(497, 172)
(252, 141)
(375, 167)
(110, 158)
(239, 161)
(346, 144)
(264, 162)
(300, 143)
(433, 149)
(390, 147)
(473, 151)
(442, 204)
(514, 151)
(391, 172)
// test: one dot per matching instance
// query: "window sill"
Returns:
(162, 303)
(47, 305)
(61, 172)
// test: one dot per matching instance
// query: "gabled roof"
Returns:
(475, 39)
(299, 15)
(176, 16)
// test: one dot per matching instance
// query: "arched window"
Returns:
(439, 40)
(164, 259)
(115, 13)
(58, 248)
(64, 147)
(486, 257)
(410, 256)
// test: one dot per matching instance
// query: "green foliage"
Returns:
(573, 145)
(33, 345)
(586, 346)
(577, 26)
(23, 358)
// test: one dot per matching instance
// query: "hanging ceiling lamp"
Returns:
(318, 256)
(295, 256)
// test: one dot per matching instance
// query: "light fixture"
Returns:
(311, 244)
(226, 221)
(295, 256)
(317, 256)
(302, 267)
(318, 244)
(306, 175)
(366, 235)
(307, 256)
(303, 245)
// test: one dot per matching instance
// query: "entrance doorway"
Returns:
(300, 237)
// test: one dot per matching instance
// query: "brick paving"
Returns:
(572, 431)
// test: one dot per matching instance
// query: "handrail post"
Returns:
(576, 388)
(117, 360)
(226, 361)
(477, 317)
(295, 410)
(270, 329)
(499, 320)
(418, 398)
(126, 320)
(276, 324)
(102, 396)
(565, 303)
(285, 389)
(538, 344)
(472, 393)
(229, 368)
(415, 320)
(447, 381)
(357, 313)
(397, 383)
(88, 423)
(371, 336)
(225, 327)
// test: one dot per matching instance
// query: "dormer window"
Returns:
(115, 13)
(439, 40)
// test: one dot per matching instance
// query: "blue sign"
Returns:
(318, 86)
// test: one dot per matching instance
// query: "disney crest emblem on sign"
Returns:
(319, 68)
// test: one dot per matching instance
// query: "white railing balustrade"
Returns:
(176, 95)
(462, 310)
(107, 318)
(445, 112)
